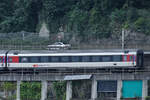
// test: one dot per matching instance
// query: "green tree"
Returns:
(6, 12)
(82, 18)
(30, 91)
(60, 89)
(26, 15)
(9, 87)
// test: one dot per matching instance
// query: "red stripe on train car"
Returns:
(128, 58)
(123, 58)
(13, 59)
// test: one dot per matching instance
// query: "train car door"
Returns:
(131, 59)
(140, 58)
(12, 61)
(2, 61)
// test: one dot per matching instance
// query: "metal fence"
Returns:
(31, 41)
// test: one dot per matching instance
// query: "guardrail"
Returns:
(82, 46)
(35, 76)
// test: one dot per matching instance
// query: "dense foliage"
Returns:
(60, 89)
(9, 90)
(30, 91)
(82, 18)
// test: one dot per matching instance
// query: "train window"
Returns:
(85, 58)
(34, 59)
(117, 58)
(96, 59)
(106, 58)
(131, 58)
(24, 59)
(10, 59)
(55, 59)
(75, 59)
(64, 59)
(0, 59)
(44, 59)
(125, 57)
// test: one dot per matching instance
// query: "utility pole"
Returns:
(123, 31)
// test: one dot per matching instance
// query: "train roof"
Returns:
(3, 51)
(70, 51)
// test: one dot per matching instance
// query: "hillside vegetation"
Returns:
(82, 19)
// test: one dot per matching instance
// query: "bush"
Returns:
(147, 98)
(142, 25)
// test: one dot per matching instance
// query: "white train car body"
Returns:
(75, 59)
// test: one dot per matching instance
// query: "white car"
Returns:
(58, 45)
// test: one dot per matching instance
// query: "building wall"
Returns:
(132, 89)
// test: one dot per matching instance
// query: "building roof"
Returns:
(77, 77)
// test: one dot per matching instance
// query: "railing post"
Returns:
(145, 89)
(44, 90)
(69, 90)
(94, 89)
(119, 89)
(18, 90)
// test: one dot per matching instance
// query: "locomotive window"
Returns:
(34, 59)
(85, 58)
(24, 59)
(75, 59)
(117, 58)
(55, 59)
(96, 59)
(64, 59)
(106, 58)
(44, 59)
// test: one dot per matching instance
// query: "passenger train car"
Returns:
(2, 59)
(72, 59)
